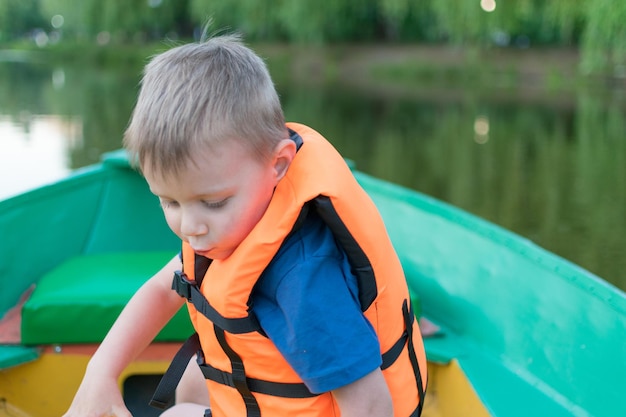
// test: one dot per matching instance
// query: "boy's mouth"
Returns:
(203, 252)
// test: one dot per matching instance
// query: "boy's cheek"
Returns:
(173, 223)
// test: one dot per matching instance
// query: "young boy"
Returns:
(298, 299)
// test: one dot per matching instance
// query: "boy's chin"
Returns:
(215, 254)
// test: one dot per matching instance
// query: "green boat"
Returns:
(520, 331)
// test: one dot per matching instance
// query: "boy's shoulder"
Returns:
(311, 239)
(310, 244)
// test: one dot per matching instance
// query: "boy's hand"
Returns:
(368, 396)
(140, 321)
(98, 397)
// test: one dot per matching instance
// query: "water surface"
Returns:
(549, 167)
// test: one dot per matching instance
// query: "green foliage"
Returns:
(596, 27)
(604, 40)
(256, 19)
(18, 17)
(567, 17)
(124, 20)
(460, 21)
(348, 20)
(79, 18)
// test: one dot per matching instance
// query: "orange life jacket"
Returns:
(246, 375)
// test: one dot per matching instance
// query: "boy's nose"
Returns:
(192, 226)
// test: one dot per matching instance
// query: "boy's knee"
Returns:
(192, 386)
(185, 410)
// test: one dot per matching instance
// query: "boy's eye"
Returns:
(215, 204)
(168, 203)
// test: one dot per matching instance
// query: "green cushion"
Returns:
(16, 355)
(79, 300)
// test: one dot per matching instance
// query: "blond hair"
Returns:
(201, 94)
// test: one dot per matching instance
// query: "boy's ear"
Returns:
(285, 152)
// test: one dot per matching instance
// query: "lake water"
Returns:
(549, 166)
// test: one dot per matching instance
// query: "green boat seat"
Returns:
(78, 301)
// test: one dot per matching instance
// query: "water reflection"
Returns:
(551, 173)
(548, 170)
(33, 150)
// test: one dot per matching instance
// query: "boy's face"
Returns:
(219, 197)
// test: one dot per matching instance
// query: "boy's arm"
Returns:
(150, 308)
(368, 396)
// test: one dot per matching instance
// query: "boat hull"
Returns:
(519, 329)
(56, 375)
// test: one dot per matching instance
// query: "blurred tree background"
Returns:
(596, 28)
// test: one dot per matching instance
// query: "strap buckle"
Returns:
(182, 284)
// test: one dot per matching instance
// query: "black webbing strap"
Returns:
(408, 320)
(276, 389)
(418, 411)
(394, 352)
(360, 263)
(189, 290)
(200, 266)
(164, 393)
(238, 375)
(294, 136)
